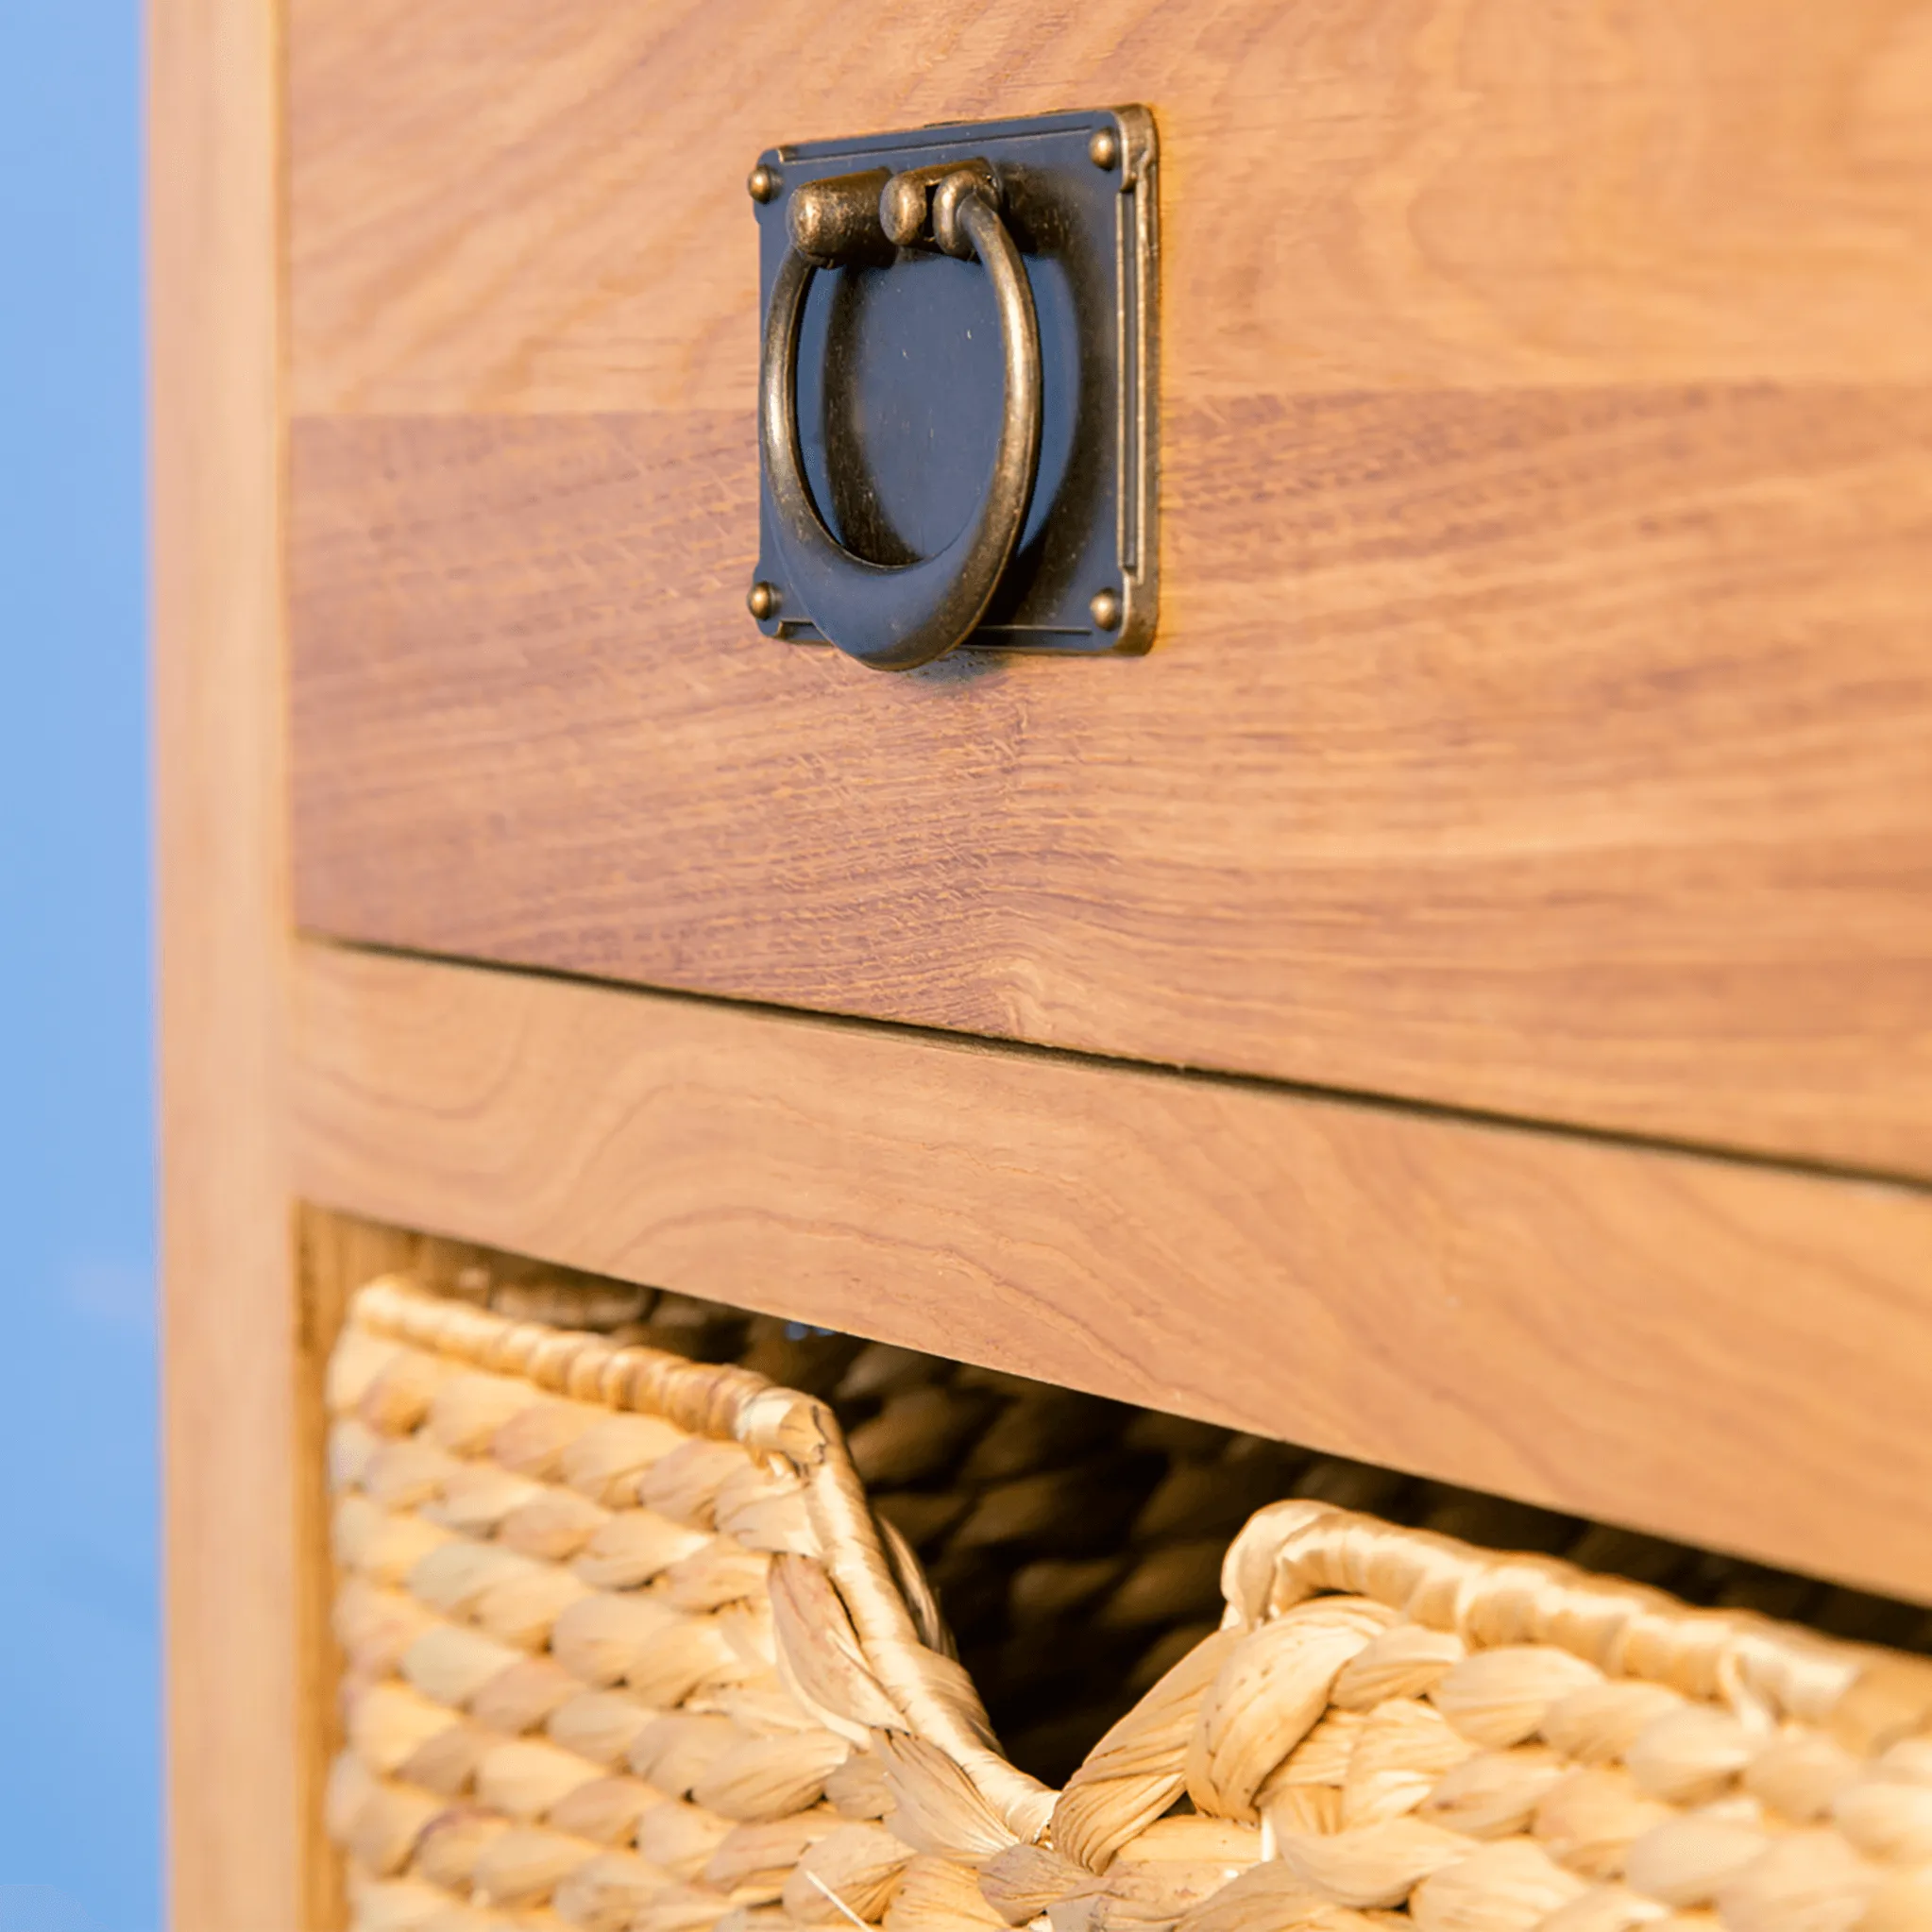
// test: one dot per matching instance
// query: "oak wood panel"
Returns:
(1538, 721)
(1722, 1352)
(1564, 753)
(242, 1849)
(537, 204)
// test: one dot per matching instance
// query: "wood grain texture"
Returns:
(538, 204)
(1541, 720)
(236, 1569)
(1724, 1353)
(1564, 753)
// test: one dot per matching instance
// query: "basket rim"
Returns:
(877, 1585)
(1288, 1554)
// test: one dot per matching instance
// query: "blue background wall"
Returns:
(78, 1684)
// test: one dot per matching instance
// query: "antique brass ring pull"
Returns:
(896, 617)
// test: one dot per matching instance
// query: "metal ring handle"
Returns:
(896, 617)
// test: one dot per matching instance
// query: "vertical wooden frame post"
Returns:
(233, 1535)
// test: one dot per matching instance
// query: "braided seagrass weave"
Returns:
(628, 1649)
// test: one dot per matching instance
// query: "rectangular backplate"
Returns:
(900, 384)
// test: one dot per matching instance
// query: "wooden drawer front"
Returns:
(1541, 719)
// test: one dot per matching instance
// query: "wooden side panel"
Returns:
(1726, 1353)
(252, 1291)
(1541, 720)
(234, 1553)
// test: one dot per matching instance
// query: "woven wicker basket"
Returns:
(627, 1647)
